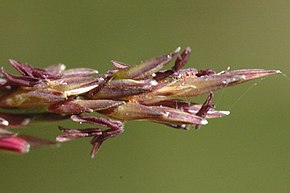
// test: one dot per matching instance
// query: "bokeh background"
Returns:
(247, 151)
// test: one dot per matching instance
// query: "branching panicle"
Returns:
(140, 92)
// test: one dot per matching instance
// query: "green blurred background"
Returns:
(247, 151)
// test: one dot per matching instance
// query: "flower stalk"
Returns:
(145, 91)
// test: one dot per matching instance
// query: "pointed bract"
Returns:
(147, 68)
